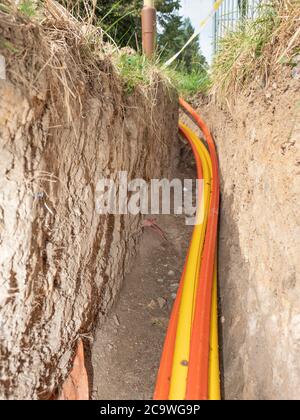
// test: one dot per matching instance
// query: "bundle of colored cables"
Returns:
(189, 367)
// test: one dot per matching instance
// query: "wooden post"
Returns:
(149, 27)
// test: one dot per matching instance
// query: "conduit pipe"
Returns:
(186, 309)
(214, 385)
(214, 392)
(162, 388)
(211, 387)
(214, 378)
(198, 372)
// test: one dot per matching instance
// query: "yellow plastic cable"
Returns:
(182, 343)
(214, 362)
(214, 386)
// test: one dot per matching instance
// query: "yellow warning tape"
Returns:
(203, 23)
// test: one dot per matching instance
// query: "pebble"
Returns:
(152, 304)
(160, 280)
(171, 273)
(161, 302)
(173, 296)
(116, 320)
(296, 72)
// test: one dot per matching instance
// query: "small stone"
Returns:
(222, 319)
(116, 320)
(152, 304)
(174, 285)
(161, 322)
(161, 302)
(160, 280)
(296, 72)
(171, 273)
(173, 296)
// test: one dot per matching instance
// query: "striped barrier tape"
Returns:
(203, 23)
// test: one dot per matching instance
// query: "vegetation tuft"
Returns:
(121, 24)
(28, 7)
(102, 28)
(257, 47)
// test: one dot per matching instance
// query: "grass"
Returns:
(4, 8)
(136, 71)
(257, 47)
(28, 8)
(189, 84)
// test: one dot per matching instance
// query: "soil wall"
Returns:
(258, 144)
(65, 123)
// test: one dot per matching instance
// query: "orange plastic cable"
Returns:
(164, 374)
(198, 373)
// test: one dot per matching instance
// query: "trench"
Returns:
(62, 264)
(125, 354)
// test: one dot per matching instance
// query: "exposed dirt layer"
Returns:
(127, 350)
(65, 123)
(258, 140)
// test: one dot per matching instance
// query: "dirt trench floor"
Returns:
(127, 349)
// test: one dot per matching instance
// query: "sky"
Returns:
(197, 10)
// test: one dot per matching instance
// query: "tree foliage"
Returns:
(174, 36)
(120, 19)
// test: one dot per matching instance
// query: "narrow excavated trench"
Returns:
(127, 348)
(68, 120)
